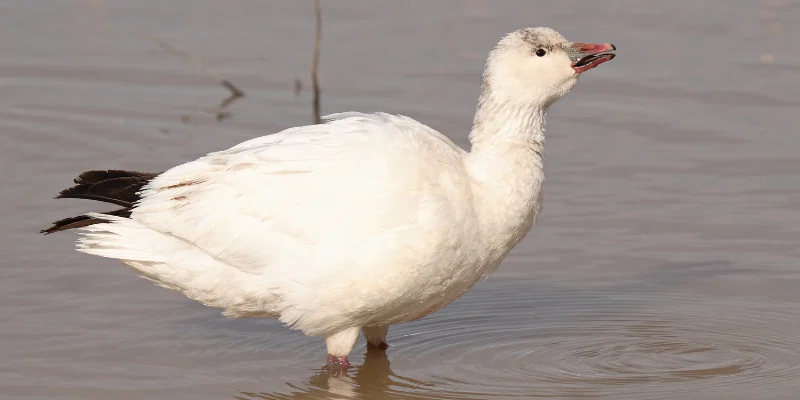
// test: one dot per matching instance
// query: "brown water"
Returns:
(664, 266)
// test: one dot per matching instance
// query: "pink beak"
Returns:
(586, 56)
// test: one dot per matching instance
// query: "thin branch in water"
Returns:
(236, 93)
(298, 87)
(315, 62)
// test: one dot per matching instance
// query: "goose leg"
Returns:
(376, 336)
(339, 345)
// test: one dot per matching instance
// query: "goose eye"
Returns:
(541, 52)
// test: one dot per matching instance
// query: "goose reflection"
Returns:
(374, 379)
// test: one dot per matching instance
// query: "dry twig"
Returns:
(236, 93)
(315, 63)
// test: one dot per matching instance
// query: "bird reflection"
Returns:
(374, 379)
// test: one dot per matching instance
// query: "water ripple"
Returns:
(593, 343)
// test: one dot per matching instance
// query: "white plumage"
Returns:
(362, 222)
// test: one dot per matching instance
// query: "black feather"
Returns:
(82, 220)
(102, 175)
(112, 186)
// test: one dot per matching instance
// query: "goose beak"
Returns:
(586, 56)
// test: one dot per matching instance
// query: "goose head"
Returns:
(538, 66)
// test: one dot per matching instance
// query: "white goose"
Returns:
(353, 225)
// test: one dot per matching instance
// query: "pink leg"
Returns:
(340, 345)
(338, 361)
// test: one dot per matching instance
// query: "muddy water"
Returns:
(665, 264)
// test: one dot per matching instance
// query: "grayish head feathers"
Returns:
(535, 38)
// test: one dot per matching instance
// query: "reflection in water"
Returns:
(373, 379)
(768, 11)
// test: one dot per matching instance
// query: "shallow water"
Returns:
(663, 266)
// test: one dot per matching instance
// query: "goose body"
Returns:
(352, 225)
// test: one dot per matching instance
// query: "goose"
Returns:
(352, 225)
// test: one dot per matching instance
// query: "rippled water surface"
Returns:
(664, 265)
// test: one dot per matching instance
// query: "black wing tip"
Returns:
(50, 230)
(64, 224)
(99, 175)
(82, 221)
(114, 186)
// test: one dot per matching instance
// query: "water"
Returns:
(663, 266)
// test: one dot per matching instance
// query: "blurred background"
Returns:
(664, 264)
